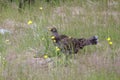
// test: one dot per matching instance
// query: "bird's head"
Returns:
(53, 29)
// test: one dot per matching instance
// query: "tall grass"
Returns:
(74, 18)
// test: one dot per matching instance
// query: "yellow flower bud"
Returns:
(110, 43)
(29, 22)
(53, 37)
(108, 39)
(40, 8)
(54, 41)
(45, 56)
(57, 49)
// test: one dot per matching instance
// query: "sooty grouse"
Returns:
(70, 45)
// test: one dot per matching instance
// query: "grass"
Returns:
(74, 18)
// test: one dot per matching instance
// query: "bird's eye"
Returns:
(54, 30)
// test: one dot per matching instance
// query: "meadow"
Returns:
(22, 50)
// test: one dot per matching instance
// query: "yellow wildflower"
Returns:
(108, 39)
(29, 22)
(40, 8)
(45, 56)
(57, 49)
(54, 40)
(53, 37)
(110, 43)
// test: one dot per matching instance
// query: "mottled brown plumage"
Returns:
(71, 45)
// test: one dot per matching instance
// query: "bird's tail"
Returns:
(92, 41)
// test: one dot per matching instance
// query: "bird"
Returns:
(69, 45)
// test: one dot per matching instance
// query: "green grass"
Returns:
(74, 18)
(103, 76)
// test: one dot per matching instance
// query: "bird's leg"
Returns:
(67, 62)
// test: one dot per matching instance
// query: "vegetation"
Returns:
(30, 38)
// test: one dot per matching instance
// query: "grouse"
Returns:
(70, 45)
